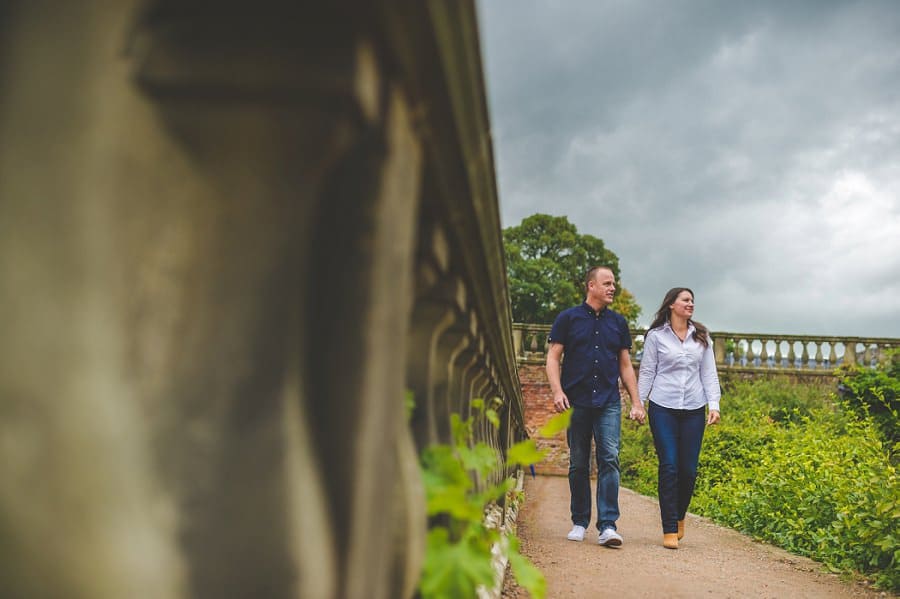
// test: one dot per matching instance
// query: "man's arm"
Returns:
(626, 371)
(554, 368)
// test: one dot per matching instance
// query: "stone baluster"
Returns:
(778, 355)
(818, 345)
(764, 355)
(719, 351)
(792, 354)
(804, 358)
(879, 353)
(850, 353)
(518, 348)
(867, 355)
(748, 355)
(533, 347)
(832, 354)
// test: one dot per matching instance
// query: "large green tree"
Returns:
(546, 260)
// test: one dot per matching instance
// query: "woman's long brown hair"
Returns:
(701, 333)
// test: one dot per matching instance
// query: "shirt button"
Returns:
(596, 347)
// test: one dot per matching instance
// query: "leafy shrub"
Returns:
(637, 459)
(876, 393)
(458, 557)
(818, 482)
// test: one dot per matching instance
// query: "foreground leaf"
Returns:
(454, 569)
(555, 425)
(525, 453)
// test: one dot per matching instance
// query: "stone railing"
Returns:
(234, 237)
(754, 352)
(798, 352)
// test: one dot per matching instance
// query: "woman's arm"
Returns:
(709, 378)
(647, 372)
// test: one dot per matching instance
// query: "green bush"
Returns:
(785, 465)
(876, 393)
(459, 549)
(637, 459)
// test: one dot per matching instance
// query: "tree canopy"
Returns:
(546, 260)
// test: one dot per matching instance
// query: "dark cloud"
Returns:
(748, 150)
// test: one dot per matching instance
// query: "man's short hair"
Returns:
(592, 273)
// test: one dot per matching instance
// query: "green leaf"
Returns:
(555, 425)
(525, 453)
(453, 501)
(446, 483)
(492, 417)
(454, 569)
(460, 429)
(481, 458)
(495, 492)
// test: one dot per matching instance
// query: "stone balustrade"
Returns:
(754, 352)
(798, 352)
(235, 238)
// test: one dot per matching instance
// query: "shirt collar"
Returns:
(591, 311)
(690, 329)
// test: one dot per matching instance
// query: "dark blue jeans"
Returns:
(604, 426)
(677, 435)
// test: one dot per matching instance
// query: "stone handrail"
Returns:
(813, 354)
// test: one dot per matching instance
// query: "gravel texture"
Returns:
(711, 561)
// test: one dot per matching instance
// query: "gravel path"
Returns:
(711, 561)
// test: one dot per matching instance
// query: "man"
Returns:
(595, 342)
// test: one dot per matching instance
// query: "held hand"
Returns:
(637, 413)
(713, 417)
(560, 402)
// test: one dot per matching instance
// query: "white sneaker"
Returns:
(610, 538)
(576, 534)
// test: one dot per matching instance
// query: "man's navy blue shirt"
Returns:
(591, 344)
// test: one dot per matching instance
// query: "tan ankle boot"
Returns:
(670, 540)
(680, 529)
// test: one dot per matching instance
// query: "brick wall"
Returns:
(538, 402)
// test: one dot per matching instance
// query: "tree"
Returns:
(546, 260)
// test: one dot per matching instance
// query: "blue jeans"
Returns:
(604, 426)
(677, 435)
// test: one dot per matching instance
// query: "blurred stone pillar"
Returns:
(206, 252)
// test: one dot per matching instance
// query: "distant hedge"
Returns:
(793, 465)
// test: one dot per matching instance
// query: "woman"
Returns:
(678, 376)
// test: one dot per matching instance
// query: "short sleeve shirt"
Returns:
(591, 344)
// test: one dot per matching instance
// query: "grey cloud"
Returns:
(711, 144)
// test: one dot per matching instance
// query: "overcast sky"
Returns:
(748, 150)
